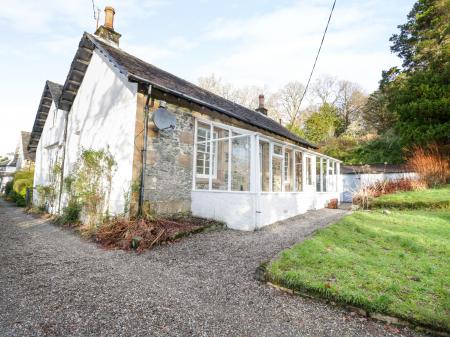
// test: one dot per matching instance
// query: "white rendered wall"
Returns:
(236, 210)
(103, 117)
(250, 211)
(49, 151)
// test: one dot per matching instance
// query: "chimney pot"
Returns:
(261, 108)
(106, 31)
(261, 101)
(109, 17)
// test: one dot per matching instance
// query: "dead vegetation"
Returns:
(142, 234)
(431, 165)
(367, 192)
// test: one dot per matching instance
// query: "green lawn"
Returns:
(431, 198)
(396, 263)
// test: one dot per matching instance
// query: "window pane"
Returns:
(330, 177)
(318, 174)
(203, 154)
(288, 171)
(220, 133)
(264, 162)
(298, 171)
(325, 176)
(220, 157)
(335, 176)
(240, 163)
(276, 174)
(308, 171)
(277, 149)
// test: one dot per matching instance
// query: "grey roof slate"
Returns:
(142, 71)
(25, 139)
(52, 92)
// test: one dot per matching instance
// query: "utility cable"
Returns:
(318, 52)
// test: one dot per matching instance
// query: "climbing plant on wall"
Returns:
(48, 194)
(89, 184)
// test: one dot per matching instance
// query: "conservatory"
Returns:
(250, 180)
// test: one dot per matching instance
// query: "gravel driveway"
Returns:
(52, 283)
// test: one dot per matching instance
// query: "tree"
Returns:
(421, 100)
(322, 125)
(287, 101)
(376, 114)
(326, 89)
(350, 102)
(425, 35)
(419, 94)
(246, 96)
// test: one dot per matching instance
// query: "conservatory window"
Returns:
(264, 164)
(220, 159)
(277, 165)
(319, 173)
(240, 163)
(298, 171)
(203, 156)
(288, 171)
(330, 176)
(308, 172)
(203, 150)
(325, 165)
(335, 177)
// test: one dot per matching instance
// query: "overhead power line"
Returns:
(318, 52)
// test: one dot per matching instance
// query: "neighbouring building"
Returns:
(177, 146)
(7, 170)
(24, 158)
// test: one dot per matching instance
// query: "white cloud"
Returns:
(280, 46)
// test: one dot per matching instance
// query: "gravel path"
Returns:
(52, 283)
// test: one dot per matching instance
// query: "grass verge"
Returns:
(395, 264)
(433, 198)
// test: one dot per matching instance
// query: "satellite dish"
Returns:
(164, 119)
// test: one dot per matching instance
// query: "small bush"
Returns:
(71, 214)
(8, 187)
(431, 166)
(16, 189)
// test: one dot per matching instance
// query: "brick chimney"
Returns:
(106, 31)
(261, 107)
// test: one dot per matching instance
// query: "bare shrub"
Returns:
(431, 165)
(367, 192)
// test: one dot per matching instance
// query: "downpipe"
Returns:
(144, 153)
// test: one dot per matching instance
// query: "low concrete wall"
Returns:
(249, 211)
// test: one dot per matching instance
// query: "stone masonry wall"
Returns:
(168, 174)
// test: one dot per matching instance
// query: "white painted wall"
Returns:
(249, 211)
(103, 117)
(49, 151)
(235, 209)
(353, 182)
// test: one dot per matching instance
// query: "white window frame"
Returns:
(255, 167)
(212, 155)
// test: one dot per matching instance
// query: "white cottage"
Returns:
(179, 147)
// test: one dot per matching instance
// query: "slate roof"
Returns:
(25, 139)
(374, 168)
(141, 71)
(52, 93)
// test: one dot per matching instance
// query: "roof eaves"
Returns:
(200, 102)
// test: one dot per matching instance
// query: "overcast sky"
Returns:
(252, 42)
